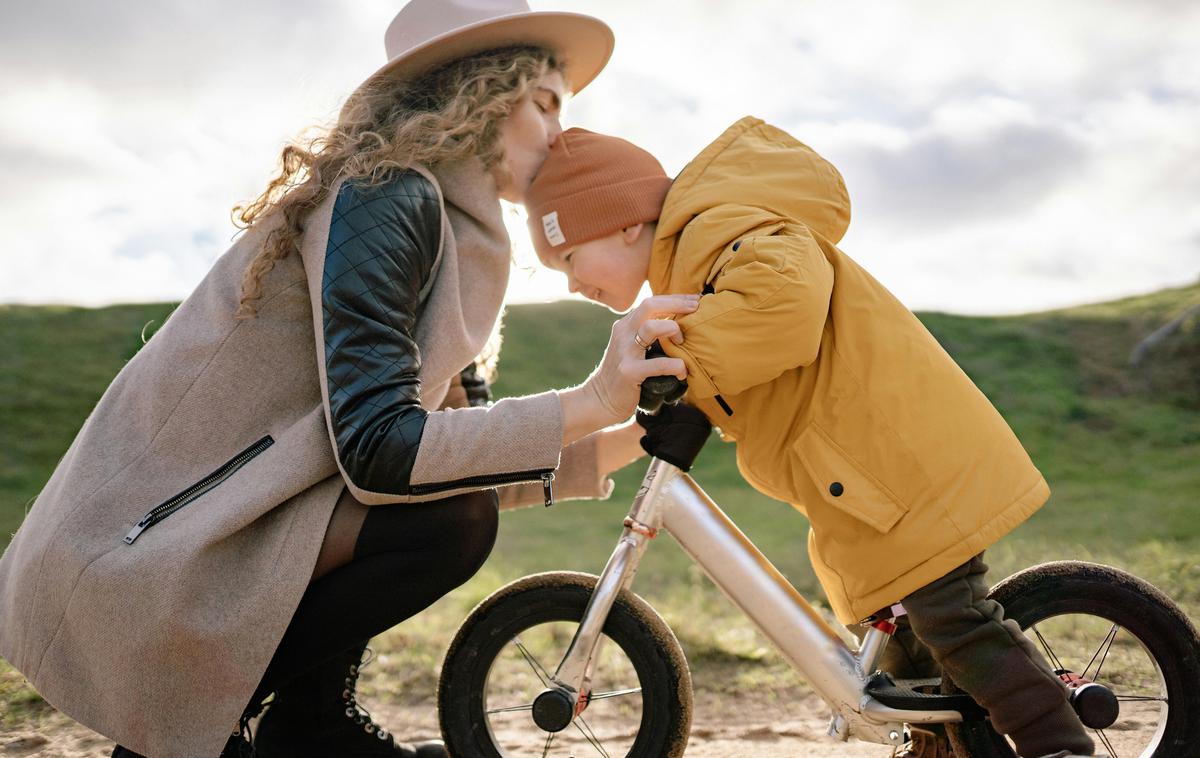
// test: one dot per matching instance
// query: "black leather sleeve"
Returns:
(383, 242)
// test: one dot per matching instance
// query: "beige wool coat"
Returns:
(159, 643)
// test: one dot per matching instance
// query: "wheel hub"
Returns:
(553, 710)
(1096, 705)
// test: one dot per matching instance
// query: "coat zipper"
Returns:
(546, 475)
(174, 503)
(724, 405)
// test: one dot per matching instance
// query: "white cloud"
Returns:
(1000, 157)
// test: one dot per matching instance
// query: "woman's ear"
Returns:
(630, 233)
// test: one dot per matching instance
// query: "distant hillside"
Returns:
(1120, 446)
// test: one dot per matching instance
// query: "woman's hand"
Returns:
(610, 394)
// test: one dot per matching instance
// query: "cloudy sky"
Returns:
(1001, 157)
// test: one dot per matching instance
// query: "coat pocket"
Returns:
(844, 484)
(175, 502)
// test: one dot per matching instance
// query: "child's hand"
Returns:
(675, 434)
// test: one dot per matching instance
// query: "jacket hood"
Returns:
(754, 163)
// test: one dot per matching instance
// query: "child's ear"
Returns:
(630, 233)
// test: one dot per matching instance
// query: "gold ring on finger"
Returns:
(637, 337)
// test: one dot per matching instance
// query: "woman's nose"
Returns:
(553, 130)
(573, 284)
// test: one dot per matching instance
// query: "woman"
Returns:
(206, 539)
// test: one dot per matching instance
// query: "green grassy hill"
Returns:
(1120, 447)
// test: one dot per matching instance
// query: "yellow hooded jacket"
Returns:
(839, 399)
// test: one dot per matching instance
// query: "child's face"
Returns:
(609, 270)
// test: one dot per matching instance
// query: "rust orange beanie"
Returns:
(590, 186)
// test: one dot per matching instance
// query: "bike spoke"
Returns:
(1105, 646)
(1107, 745)
(549, 741)
(587, 732)
(1049, 653)
(615, 693)
(510, 709)
(1140, 698)
(533, 664)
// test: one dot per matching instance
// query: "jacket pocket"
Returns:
(846, 485)
(175, 502)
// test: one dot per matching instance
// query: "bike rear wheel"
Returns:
(1109, 627)
(504, 653)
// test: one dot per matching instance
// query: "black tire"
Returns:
(542, 599)
(1168, 640)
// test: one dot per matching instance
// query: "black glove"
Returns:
(675, 434)
(657, 390)
(479, 394)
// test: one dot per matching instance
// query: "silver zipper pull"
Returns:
(548, 487)
(136, 530)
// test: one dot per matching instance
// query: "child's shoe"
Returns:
(925, 744)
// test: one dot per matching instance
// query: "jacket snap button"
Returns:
(836, 489)
(736, 245)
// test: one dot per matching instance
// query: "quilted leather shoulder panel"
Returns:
(383, 241)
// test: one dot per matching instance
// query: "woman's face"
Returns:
(527, 134)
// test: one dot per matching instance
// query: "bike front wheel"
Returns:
(502, 657)
(1098, 624)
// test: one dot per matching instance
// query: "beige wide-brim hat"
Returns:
(426, 33)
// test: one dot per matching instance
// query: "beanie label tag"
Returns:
(553, 231)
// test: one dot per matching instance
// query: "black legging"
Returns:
(406, 556)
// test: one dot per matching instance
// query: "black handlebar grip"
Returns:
(659, 390)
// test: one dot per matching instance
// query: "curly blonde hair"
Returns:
(450, 113)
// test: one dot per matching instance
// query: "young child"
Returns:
(839, 400)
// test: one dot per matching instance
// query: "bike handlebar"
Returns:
(658, 391)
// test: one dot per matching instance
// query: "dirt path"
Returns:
(724, 727)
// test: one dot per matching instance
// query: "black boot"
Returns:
(317, 715)
(237, 746)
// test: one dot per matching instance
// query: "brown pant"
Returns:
(952, 626)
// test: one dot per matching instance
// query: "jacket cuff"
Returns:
(700, 384)
(516, 434)
(577, 478)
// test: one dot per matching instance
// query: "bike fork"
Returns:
(555, 707)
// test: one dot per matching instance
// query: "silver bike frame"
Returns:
(670, 499)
